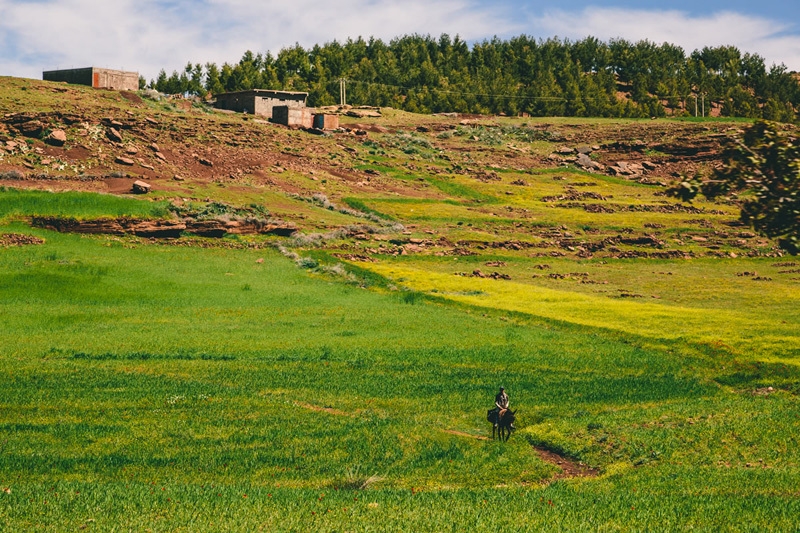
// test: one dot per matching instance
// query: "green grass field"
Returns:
(171, 388)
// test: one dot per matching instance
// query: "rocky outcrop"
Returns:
(215, 228)
(113, 226)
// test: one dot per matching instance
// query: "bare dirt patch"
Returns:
(569, 468)
(321, 409)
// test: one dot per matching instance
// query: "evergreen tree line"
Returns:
(550, 77)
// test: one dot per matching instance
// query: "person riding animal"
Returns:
(501, 405)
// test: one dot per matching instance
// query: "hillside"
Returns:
(293, 331)
(531, 201)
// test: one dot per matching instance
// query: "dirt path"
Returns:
(569, 468)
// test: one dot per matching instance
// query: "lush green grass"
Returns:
(150, 386)
(697, 301)
(16, 203)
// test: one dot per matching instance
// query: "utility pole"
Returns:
(342, 91)
(695, 106)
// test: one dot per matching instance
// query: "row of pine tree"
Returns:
(550, 77)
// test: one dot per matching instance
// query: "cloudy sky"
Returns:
(147, 35)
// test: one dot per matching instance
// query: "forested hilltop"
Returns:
(550, 77)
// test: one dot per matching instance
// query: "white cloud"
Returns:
(750, 34)
(147, 35)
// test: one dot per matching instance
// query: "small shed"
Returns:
(326, 122)
(260, 101)
(99, 78)
(293, 116)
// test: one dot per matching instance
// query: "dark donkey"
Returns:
(504, 424)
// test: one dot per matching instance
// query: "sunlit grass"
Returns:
(748, 331)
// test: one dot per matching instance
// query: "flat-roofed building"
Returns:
(99, 78)
(260, 101)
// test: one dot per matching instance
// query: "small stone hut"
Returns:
(260, 101)
(99, 78)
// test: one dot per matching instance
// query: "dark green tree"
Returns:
(762, 172)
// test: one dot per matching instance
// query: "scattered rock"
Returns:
(161, 156)
(178, 178)
(206, 162)
(586, 162)
(18, 239)
(140, 187)
(364, 113)
(114, 135)
(478, 274)
(57, 138)
(124, 161)
(132, 150)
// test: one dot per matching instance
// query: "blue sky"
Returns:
(147, 35)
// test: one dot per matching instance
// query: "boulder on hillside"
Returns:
(57, 138)
(586, 162)
(114, 135)
(140, 187)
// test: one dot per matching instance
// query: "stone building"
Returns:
(99, 78)
(260, 101)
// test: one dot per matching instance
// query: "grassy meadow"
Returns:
(166, 387)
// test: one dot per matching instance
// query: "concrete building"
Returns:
(260, 101)
(99, 78)
(326, 122)
(293, 116)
